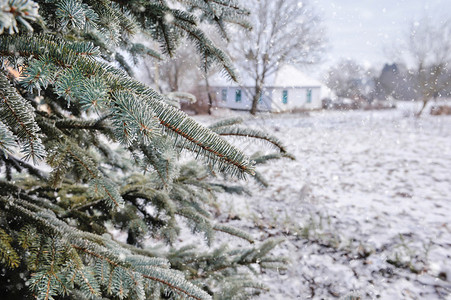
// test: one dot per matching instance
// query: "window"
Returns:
(284, 96)
(260, 98)
(309, 96)
(238, 95)
(224, 95)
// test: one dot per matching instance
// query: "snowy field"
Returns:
(365, 208)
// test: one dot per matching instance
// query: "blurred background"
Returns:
(344, 55)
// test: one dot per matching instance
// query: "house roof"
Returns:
(290, 76)
(286, 76)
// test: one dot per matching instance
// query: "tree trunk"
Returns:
(210, 100)
(418, 114)
(157, 77)
(255, 98)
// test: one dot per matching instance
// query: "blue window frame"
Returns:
(285, 96)
(309, 96)
(224, 95)
(238, 95)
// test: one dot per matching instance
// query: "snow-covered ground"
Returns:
(365, 208)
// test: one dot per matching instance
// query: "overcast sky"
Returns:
(362, 29)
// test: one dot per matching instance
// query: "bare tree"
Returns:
(285, 31)
(428, 49)
(177, 78)
(181, 72)
(177, 74)
(349, 79)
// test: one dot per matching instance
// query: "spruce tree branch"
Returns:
(226, 123)
(70, 67)
(19, 165)
(130, 196)
(251, 133)
(152, 159)
(82, 124)
(134, 194)
(213, 271)
(168, 116)
(133, 199)
(10, 189)
(7, 188)
(263, 159)
(210, 50)
(17, 118)
(229, 4)
(79, 242)
(145, 252)
(18, 113)
(113, 263)
(234, 231)
(87, 205)
(209, 148)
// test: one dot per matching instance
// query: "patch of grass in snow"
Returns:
(408, 256)
(319, 229)
(316, 228)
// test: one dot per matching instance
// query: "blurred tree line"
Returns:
(420, 71)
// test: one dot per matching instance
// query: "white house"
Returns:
(287, 89)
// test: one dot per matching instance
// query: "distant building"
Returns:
(288, 89)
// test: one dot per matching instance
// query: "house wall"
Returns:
(296, 99)
(317, 102)
(272, 99)
(246, 99)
